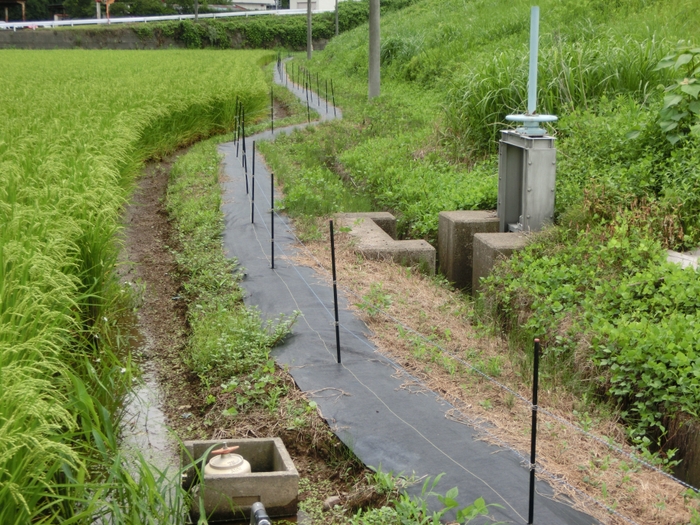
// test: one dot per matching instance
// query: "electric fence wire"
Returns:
(472, 422)
(471, 367)
(476, 424)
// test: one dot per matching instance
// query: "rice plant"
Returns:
(76, 126)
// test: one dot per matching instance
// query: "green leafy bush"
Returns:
(604, 293)
(680, 113)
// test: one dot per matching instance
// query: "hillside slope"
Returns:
(618, 323)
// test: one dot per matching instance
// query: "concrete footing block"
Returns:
(274, 481)
(385, 220)
(489, 248)
(456, 230)
(374, 242)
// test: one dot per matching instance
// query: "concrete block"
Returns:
(274, 481)
(456, 231)
(489, 248)
(375, 243)
(684, 259)
(385, 220)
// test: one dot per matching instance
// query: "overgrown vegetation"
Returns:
(67, 163)
(229, 350)
(596, 288)
(229, 344)
(240, 32)
(403, 508)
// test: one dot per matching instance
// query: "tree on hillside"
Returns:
(34, 10)
(140, 8)
(191, 6)
(80, 8)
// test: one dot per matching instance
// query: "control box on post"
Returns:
(526, 181)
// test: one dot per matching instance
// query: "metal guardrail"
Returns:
(14, 26)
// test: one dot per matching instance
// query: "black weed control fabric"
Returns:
(384, 415)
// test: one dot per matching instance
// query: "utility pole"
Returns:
(309, 44)
(374, 48)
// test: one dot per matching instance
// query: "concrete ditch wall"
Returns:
(122, 38)
(375, 233)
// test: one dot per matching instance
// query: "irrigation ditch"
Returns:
(404, 340)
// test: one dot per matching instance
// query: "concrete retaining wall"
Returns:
(102, 38)
(377, 242)
(86, 39)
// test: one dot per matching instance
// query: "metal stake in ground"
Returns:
(235, 122)
(238, 126)
(335, 295)
(252, 190)
(333, 95)
(308, 112)
(326, 96)
(318, 90)
(272, 113)
(272, 220)
(310, 83)
(245, 157)
(533, 439)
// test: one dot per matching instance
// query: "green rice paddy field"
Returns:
(75, 126)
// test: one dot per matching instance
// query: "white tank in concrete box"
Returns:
(225, 462)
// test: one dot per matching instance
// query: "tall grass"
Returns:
(75, 128)
(572, 75)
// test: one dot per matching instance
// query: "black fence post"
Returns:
(272, 220)
(533, 439)
(308, 111)
(238, 126)
(272, 112)
(245, 156)
(252, 190)
(335, 294)
(333, 95)
(310, 81)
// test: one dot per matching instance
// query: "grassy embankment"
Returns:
(255, 32)
(76, 128)
(618, 324)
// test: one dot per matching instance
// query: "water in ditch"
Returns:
(143, 426)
